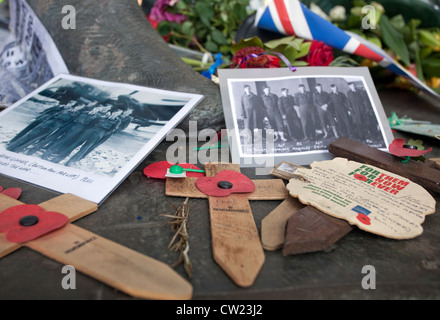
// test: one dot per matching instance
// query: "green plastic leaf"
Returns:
(394, 40)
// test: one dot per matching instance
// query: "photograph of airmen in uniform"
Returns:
(304, 113)
(86, 126)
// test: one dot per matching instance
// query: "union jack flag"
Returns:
(291, 17)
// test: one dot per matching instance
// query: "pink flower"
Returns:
(26, 222)
(159, 12)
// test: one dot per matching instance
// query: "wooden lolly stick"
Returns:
(273, 226)
(425, 173)
(118, 266)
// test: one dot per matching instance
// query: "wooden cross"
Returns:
(118, 266)
(236, 244)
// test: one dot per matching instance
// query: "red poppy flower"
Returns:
(363, 218)
(26, 222)
(397, 148)
(158, 170)
(224, 183)
(11, 192)
(254, 57)
(319, 54)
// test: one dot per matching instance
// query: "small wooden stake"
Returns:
(310, 230)
(273, 226)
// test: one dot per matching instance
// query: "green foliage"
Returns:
(210, 24)
(402, 37)
(291, 47)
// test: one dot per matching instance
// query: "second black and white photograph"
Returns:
(297, 115)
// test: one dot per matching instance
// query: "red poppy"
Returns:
(11, 192)
(26, 222)
(224, 183)
(158, 170)
(360, 177)
(254, 57)
(397, 148)
(319, 54)
(363, 218)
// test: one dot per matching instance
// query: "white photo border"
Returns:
(90, 185)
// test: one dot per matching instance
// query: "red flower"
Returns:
(254, 57)
(319, 54)
(225, 183)
(158, 170)
(397, 148)
(11, 192)
(26, 222)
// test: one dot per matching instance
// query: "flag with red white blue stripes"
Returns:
(291, 17)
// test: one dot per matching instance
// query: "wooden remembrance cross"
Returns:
(118, 266)
(236, 244)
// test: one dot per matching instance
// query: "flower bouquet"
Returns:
(411, 46)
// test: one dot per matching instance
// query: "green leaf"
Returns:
(250, 42)
(292, 54)
(394, 40)
(398, 22)
(414, 46)
(272, 44)
(205, 12)
(218, 37)
(299, 63)
(188, 28)
(428, 38)
(431, 66)
(211, 46)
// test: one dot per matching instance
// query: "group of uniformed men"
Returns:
(63, 128)
(309, 115)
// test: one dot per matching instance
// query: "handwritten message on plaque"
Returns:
(373, 199)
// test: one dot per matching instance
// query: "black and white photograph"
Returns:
(297, 116)
(100, 129)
